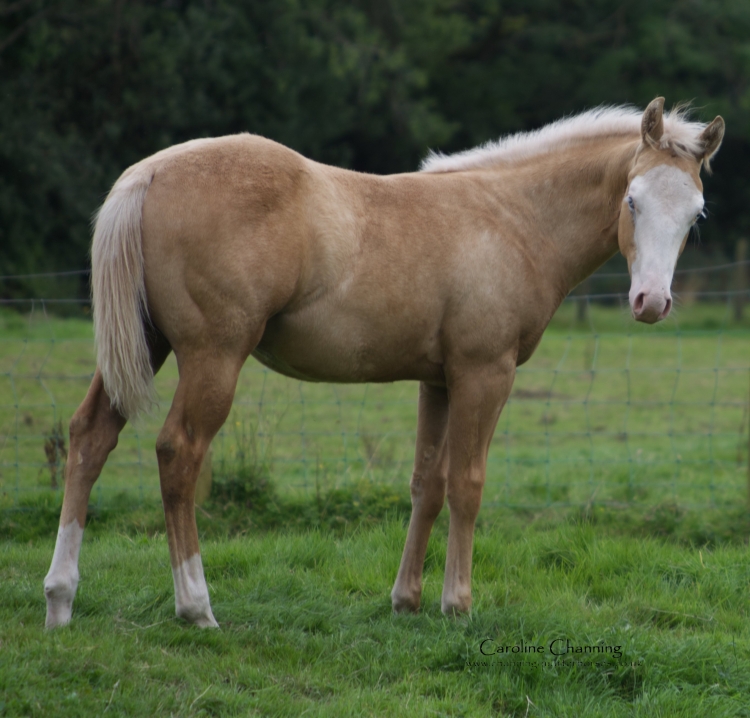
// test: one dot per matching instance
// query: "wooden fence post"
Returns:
(740, 279)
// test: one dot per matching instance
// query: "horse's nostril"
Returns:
(638, 303)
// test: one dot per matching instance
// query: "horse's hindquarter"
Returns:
(223, 239)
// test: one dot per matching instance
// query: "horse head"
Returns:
(663, 200)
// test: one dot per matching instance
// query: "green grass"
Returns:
(614, 515)
(307, 629)
(609, 411)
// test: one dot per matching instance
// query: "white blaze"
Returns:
(666, 201)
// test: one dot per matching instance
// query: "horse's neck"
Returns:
(576, 195)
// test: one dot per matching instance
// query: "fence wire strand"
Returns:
(606, 411)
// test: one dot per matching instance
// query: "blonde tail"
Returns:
(119, 295)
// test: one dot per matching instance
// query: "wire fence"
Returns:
(607, 411)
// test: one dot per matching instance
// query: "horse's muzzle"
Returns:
(651, 307)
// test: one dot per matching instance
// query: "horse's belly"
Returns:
(343, 353)
(278, 364)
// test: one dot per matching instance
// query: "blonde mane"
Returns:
(680, 135)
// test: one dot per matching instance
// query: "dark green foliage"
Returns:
(89, 87)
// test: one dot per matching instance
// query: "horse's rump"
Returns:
(180, 242)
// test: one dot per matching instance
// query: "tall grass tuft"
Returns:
(243, 479)
(245, 495)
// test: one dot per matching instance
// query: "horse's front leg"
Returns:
(94, 429)
(427, 494)
(477, 395)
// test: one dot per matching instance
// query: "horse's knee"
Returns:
(465, 496)
(176, 442)
(167, 445)
(427, 492)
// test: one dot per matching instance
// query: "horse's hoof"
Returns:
(58, 615)
(206, 622)
(402, 605)
(201, 617)
(456, 606)
(59, 595)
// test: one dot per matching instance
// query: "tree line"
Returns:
(87, 87)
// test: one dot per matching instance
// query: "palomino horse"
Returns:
(221, 248)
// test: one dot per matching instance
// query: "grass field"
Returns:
(307, 629)
(606, 411)
(614, 517)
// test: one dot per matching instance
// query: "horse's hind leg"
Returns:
(201, 405)
(94, 429)
(428, 484)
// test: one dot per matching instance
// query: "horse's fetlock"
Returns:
(61, 588)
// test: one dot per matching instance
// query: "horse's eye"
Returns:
(631, 204)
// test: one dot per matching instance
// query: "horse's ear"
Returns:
(652, 124)
(710, 140)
